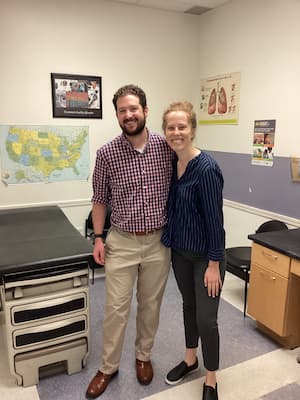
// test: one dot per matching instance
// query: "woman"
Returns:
(196, 236)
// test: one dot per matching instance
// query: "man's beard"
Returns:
(139, 128)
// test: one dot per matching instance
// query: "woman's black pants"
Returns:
(200, 311)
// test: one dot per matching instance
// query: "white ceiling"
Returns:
(185, 6)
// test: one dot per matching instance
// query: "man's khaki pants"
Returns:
(131, 258)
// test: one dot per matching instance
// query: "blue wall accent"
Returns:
(272, 188)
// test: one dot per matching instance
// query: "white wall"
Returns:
(164, 52)
(241, 220)
(261, 39)
(124, 44)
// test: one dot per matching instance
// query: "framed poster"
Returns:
(263, 142)
(220, 99)
(76, 96)
(295, 169)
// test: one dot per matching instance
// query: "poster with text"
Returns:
(219, 99)
(263, 142)
(295, 169)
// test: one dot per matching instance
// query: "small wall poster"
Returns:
(219, 99)
(263, 142)
(295, 169)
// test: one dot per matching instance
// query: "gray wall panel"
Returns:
(268, 188)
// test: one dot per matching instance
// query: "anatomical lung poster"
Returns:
(219, 99)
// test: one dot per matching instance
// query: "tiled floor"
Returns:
(271, 376)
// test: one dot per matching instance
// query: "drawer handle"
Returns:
(270, 255)
(267, 276)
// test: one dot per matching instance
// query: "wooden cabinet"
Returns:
(267, 298)
(274, 295)
(295, 267)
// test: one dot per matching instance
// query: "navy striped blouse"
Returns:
(195, 209)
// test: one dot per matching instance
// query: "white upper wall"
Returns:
(121, 43)
(166, 53)
(261, 39)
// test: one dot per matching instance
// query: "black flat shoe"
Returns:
(178, 373)
(210, 393)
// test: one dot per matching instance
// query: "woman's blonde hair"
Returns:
(185, 106)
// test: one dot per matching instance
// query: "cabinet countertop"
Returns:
(286, 241)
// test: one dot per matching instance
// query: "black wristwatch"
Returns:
(98, 235)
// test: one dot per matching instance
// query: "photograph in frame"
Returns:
(76, 96)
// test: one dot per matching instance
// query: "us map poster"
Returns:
(219, 99)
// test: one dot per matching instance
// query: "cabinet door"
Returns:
(267, 298)
(295, 268)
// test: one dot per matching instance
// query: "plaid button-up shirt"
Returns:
(135, 184)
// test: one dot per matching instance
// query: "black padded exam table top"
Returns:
(37, 238)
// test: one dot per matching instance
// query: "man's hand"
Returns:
(99, 214)
(99, 251)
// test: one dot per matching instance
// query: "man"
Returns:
(132, 174)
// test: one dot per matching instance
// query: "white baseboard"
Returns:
(62, 204)
(293, 222)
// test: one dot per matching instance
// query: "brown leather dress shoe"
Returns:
(144, 372)
(98, 384)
